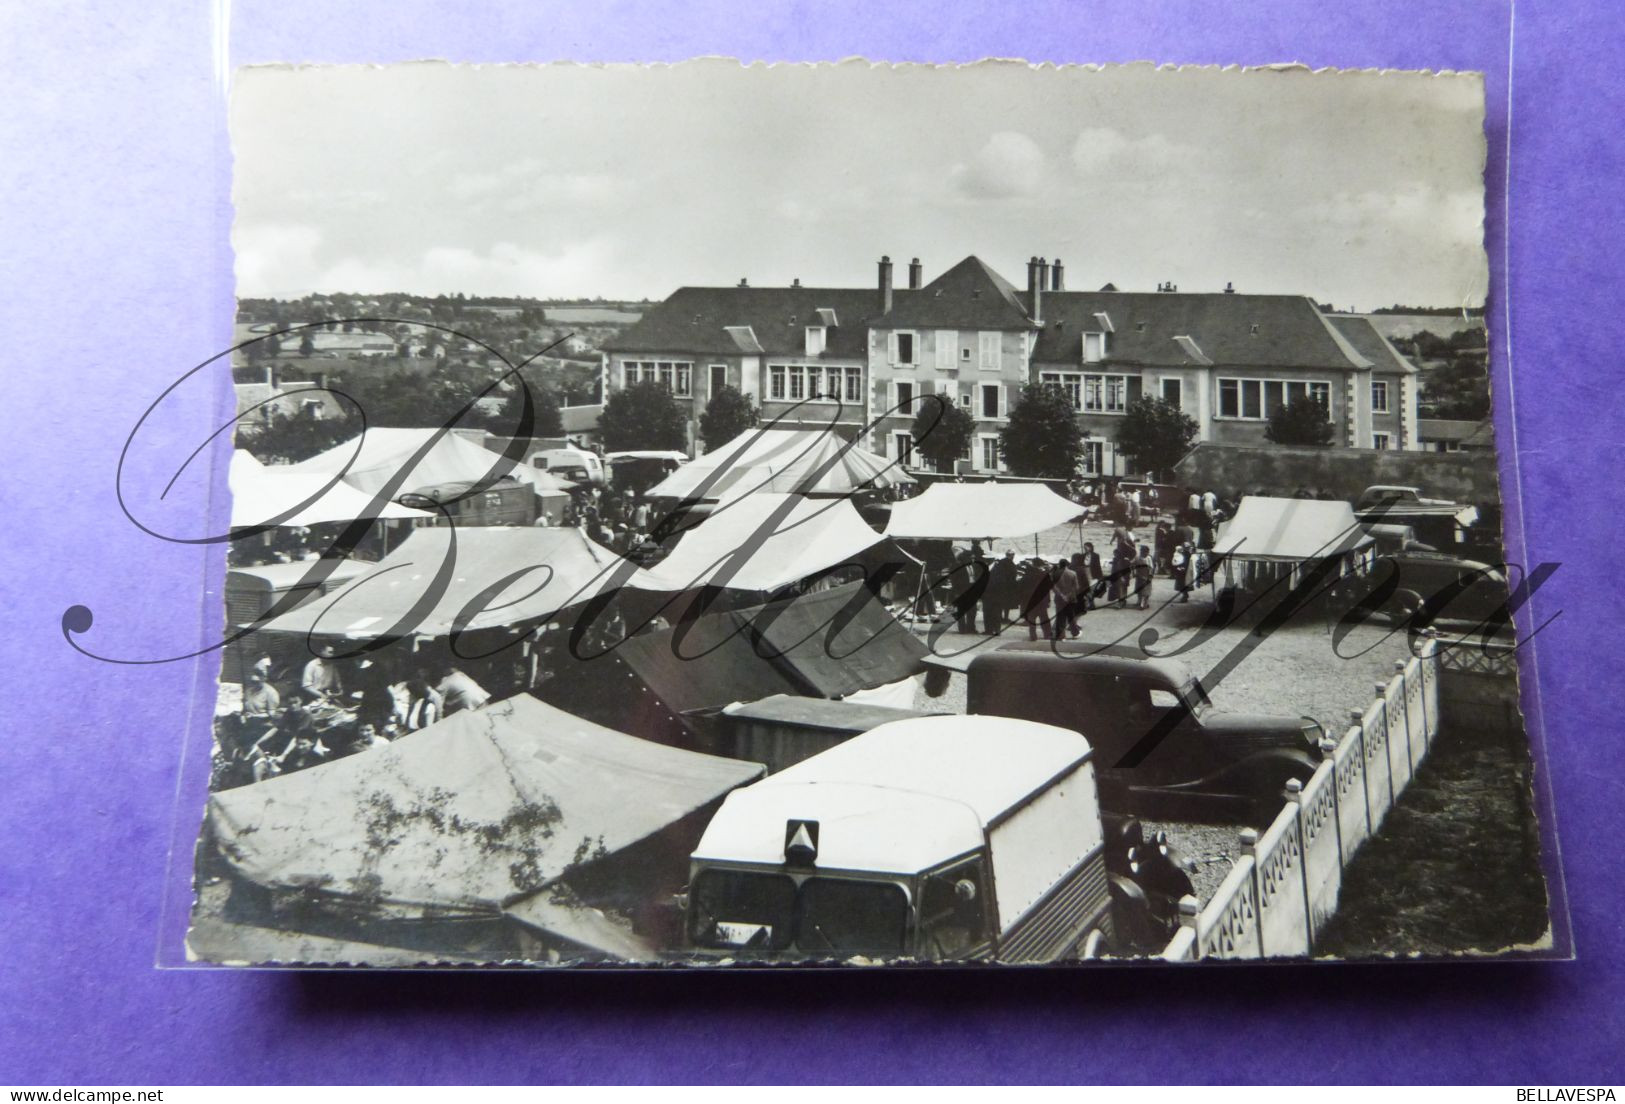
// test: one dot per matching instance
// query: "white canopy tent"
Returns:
(1294, 529)
(381, 453)
(980, 511)
(781, 461)
(761, 543)
(261, 494)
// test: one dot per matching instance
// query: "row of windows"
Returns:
(1257, 399)
(986, 402)
(1090, 392)
(1095, 393)
(795, 382)
(953, 349)
(674, 375)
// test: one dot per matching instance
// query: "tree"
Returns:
(643, 416)
(1155, 434)
(544, 410)
(1041, 439)
(729, 413)
(942, 432)
(1460, 389)
(1302, 421)
(307, 343)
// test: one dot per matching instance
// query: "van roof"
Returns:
(899, 798)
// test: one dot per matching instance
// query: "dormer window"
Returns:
(1094, 347)
(815, 341)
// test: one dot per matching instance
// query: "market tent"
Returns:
(711, 665)
(381, 453)
(474, 813)
(1294, 529)
(826, 644)
(839, 641)
(980, 511)
(762, 543)
(784, 461)
(509, 575)
(261, 494)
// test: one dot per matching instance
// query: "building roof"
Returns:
(728, 321)
(1174, 329)
(969, 296)
(1370, 343)
(580, 419)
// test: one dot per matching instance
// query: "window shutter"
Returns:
(1134, 389)
(891, 347)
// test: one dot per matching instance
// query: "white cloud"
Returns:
(274, 259)
(1103, 152)
(504, 269)
(1010, 164)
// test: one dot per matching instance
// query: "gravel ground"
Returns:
(1294, 671)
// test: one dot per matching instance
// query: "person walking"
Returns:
(1094, 579)
(1003, 593)
(1142, 578)
(967, 582)
(1067, 589)
(1036, 584)
(1180, 565)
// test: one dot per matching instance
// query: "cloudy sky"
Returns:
(1363, 189)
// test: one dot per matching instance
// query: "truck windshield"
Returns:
(852, 917)
(743, 910)
(762, 912)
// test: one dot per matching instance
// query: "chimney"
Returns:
(1229, 288)
(1035, 289)
(796, 282)
(743, 282)
(1057, 276)
(273, 374)
(914, 274)
(885, 285)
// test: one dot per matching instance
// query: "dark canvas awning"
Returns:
(837, 641)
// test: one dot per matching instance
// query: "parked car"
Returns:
(1164, 750)
(1423, 587)
(939, 838)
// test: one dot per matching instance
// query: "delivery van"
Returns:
(945, 838)
(577, 465)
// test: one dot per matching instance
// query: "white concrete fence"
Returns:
(1284, 888)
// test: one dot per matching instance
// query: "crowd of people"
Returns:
(328, 708)
(1051, 596)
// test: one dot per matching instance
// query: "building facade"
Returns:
(861, 360)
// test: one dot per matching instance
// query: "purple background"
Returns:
(115, 179)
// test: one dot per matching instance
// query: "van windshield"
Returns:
(762, 912)
(743, 910)
(852, 917)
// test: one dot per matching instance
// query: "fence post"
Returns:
(1430, 654)
(1405, 696)
(1190, 913)
(1294, 794)
(1249, 847)
(1357, 720)
(1328, 751)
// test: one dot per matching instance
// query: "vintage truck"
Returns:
(948, 838)
(1164, 750)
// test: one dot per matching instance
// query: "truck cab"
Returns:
(1164, 750)
(945, 838)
